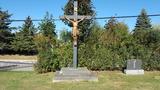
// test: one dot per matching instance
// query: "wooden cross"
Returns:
(75, 19)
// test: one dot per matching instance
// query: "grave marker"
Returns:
(134, 67)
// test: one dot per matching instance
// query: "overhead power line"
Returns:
(37, 20)
(20, 20)
(153, 15)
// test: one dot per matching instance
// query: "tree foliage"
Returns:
(46, 46)
(47, 58)
(114, 32)
(143, 26)
(47, 26)
(143, 21)
(109, 48)
(105, 48)
(5, 31)
(23, 41)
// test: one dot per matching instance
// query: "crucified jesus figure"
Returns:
(75, 31)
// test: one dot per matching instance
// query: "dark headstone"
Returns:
(134, 64)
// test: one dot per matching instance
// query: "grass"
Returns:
(107, 81)
(17, 57)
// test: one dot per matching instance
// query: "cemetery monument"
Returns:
(75, 73)
(134, 67)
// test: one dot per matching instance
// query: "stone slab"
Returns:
(74, 74)
(134, 72)
(75, 71)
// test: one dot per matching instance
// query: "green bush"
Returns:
(99, 52)
(96, 57)
(47, 58)
(65, 54)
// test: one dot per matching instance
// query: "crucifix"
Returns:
(75, 19)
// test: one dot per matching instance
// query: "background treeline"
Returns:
(100, 47)
(19, 42)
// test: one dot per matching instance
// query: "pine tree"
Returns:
(143, 25)
(23, 42)
(46, 43)
(47, 26)
(5, 31)
(85, 7)
(143, 22)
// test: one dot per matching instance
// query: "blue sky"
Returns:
(37, 8)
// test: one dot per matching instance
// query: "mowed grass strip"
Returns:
(107, 81)
(17, 57)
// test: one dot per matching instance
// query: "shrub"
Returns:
(47, 58)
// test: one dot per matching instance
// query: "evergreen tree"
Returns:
(143, 25)
(85, 7)
(47, 26)
(46, 43)
(23, 41)
(5, 31)
(143, 22)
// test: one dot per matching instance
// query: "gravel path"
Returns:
(17, 65)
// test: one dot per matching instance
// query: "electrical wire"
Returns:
(37, 20)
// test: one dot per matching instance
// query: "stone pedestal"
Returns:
(134, 72)
(74, 74)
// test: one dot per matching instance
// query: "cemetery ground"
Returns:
(108, 80)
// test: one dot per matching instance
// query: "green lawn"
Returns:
(107, 81)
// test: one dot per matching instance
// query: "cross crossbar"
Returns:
(77, 17)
